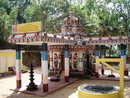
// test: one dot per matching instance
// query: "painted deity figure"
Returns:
(56, 61)
(75, 61)
(70, 62)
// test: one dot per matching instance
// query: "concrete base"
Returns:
(97, 75)
(84, 93)
(52, 86)
(18, 83)
(66, 78)
(45, 87)
(102, 71)
(126, 73)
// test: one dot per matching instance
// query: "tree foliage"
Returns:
(98, 17)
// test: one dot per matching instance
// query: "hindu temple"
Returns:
(71, 51)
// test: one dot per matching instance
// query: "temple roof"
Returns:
(37, 38)
(71, 34)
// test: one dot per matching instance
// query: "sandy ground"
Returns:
(69, 91)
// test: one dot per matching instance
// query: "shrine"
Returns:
(71, 51)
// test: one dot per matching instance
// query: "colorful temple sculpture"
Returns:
(70, 51)
(71, 26)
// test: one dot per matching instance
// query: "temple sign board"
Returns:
(27, 27)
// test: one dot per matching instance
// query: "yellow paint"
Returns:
(110, 67)
(121, 73)
(121, 79)
(28, 27)
(21, 60)
(7, 60)
(82, 94)
(108, 60)
(120, 94)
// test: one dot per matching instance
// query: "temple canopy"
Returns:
(37, 38)
(71, 34)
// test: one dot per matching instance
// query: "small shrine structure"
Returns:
(68, 50)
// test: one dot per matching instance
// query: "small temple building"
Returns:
(77, 53)
(70, 51)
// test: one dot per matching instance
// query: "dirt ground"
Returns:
(70, 91)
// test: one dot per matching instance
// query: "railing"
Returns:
(121, 73)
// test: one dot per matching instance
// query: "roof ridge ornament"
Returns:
(71, 26)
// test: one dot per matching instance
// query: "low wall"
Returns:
(33, 57)
(8, 59)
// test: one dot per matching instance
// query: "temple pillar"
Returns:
(125, 67)
(80, 60)
(123, 56)
(51, 60)
(18, 66)
(102, 56)
(66, 63)
(45, 67)
(97, 56)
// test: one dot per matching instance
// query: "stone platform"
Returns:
(53, 86)
(105, 77)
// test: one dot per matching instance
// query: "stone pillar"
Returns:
(97, 56)
(125, 67)
(45, 67)
(18, 66)
(51, 60)
(66, 63)
(102, 56)
(123, 56)
(80, 60)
